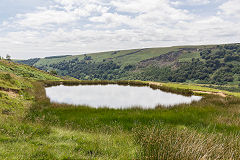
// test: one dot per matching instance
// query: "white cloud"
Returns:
(231, 8)
(44, 17)
(64, 12)
(111, 20)
(190, 2)
(79, 26)
(143, 14)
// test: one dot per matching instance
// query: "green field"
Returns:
(123, 56)
(210, 65)
(33, 128)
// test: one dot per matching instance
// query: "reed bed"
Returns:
(208, 129)
(185, 92)
(184, 144)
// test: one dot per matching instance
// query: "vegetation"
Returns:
(8, 57)
(206, 129)
(216, 64)
(25, 71)
(88, 70)
(33, 128)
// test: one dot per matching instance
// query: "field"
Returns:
(216, 66)
(206, 129)
(33, 128)
(122, 56)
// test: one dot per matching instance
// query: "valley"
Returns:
(215, 66)
(31, 127)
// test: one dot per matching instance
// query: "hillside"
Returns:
(15, 80)
(31, 127)
(25, 71)
(212, 64)
(17, 94)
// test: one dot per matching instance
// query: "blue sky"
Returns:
(39, 28)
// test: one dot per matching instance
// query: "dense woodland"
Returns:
(88, 70)
(218, 65)
(215, 65)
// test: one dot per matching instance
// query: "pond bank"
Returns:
(163, 133)
(178, 88)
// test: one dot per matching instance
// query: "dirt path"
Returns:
(215, 93)
(155, 83)
(11, 94)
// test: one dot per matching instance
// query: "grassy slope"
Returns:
(33, 128)
(142, 70)
(25, 71)
(125, 59)
(23, 139)
(210, 127)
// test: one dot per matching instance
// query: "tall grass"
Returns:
(208, 129)
(186, 92)
(184, 144)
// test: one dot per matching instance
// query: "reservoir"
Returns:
(116, 96)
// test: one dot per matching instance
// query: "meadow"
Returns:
(33, 128)
(208, 129)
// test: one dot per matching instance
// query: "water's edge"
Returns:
(116, 96)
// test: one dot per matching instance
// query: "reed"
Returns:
(207, 129)
(183, 144)
(186, 92)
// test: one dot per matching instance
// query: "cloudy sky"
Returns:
(39, 28)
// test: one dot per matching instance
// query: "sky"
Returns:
(40, 28)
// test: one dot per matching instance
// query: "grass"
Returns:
(25, 71)
(197, 115)
(122, 57)
(187, 57)
(196, 87)
(21, 138)
(208, 129)
(182, 143)
(35, 141)
(178, 88)
(119, 57)
(183, 91)
(33, 128)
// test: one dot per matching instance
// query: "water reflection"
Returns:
(115, 96)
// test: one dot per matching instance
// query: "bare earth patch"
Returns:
(11, 94)
(221, 94)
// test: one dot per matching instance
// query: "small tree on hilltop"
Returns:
(8, 57)
(53, 72)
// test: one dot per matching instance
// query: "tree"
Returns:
(53, 72)
(87, 57)
(8, 57)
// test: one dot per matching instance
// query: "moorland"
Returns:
(31, 127)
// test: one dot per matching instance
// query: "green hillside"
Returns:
(212, 64)
(31, 127)
(15, 80)
(122, 57)
(25, 71)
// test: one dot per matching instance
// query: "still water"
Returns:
(115, 96)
